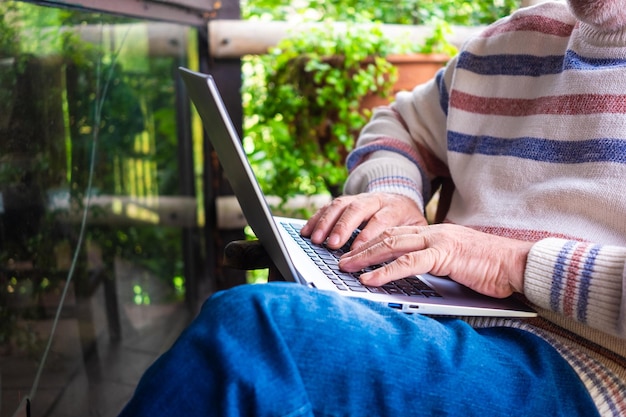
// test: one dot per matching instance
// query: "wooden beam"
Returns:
(187, 12)
(236, 38)
(155, 39)
(171, 211)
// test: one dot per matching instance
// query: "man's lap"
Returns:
(280, 349)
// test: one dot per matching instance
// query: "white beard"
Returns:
(606, 15)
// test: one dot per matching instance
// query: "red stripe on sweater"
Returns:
(575, 104)
(573, 273)
(614, 391)
(539, 24)
(528, 235)
(402, 147)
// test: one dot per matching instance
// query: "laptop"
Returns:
(297, 259)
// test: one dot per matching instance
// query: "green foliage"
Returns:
(304, 112)
(8, 31)
(438, 42)
(412, 12)
(136, 100)
(301, 100)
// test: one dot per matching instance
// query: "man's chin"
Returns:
(606, 15)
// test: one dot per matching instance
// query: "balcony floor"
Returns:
(93, 378)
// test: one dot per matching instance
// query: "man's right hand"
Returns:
(373, 212)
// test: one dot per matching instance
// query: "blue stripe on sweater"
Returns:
(597, 382)
(509, 64)
(545, 150)
(531, 65)
(558, 276)
(585, 283)
(444, 96)
(356, 156)
(573, 61)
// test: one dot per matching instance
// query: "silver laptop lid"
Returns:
(217, 123)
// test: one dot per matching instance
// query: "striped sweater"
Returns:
(529, 121)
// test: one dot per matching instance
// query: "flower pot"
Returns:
(413, 69)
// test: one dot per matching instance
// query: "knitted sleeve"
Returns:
(403, 147)
(580, 280)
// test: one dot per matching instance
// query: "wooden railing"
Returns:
(237, 38)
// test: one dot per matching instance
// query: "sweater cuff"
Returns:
(577, 279)
(385, 172)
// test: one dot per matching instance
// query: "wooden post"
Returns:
(227, 74)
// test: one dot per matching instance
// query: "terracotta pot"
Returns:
(413, 69)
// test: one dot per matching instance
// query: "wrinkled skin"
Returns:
(489, 264)
(375, 212)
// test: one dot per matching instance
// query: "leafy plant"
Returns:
(409, 12)
(301, 99)
(304, 111)
(438, 42)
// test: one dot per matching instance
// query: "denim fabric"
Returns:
(285, 350)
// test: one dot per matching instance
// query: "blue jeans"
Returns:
(285, 350)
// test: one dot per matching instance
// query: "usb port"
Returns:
(397, 306)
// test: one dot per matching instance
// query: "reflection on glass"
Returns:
(91, 221)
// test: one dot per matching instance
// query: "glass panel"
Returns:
(91, 220)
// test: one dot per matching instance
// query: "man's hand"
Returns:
(337, 220)
(489, 264)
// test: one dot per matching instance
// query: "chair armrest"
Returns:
(246, 255)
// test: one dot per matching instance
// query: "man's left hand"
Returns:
(489, 264)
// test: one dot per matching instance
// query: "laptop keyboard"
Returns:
(328, 261)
